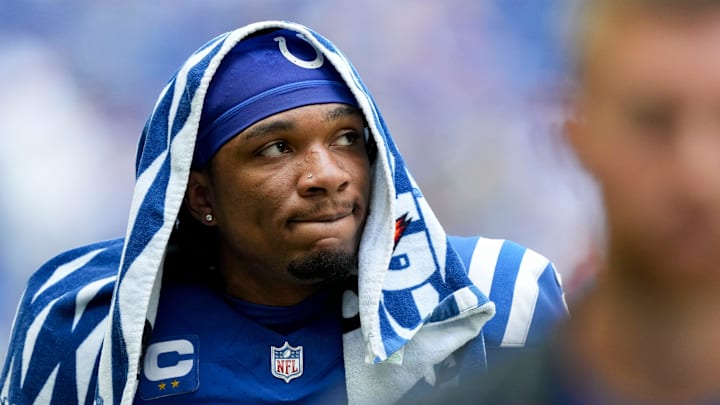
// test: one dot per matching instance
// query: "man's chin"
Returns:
(324, 266)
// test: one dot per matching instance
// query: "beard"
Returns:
(325, 267)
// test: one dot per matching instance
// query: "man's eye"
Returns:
(346, 139)
(275, 149)
(652, 119)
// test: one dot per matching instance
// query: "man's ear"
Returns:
(198, 197)
(576, 133)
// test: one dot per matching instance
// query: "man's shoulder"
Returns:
(78, 266)
(522, 283)
(488, 255)
(60, 324)
(71, 283)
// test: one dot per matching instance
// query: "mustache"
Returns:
(324, 206)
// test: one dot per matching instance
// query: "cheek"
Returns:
(631, 193)
(634, 188)
(629, 168)
(240, 200)
(266, 195)
(365, 185)
(361, 176)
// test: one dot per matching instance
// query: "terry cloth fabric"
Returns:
(421, 297)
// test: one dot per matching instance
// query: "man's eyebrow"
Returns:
(266, 128)
(341, 112)
(284, 125)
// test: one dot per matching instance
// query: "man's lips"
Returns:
(322, 217)
(327, 211)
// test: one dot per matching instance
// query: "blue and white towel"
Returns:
(78, 333)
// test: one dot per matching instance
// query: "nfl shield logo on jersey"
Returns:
(286, 362)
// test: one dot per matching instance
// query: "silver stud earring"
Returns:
(309, 176)
(208, 217)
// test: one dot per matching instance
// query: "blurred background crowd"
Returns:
(471, 90)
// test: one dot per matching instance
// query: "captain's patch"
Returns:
(170, 367)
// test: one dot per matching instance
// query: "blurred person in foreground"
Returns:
(646, 124)
(278, 251)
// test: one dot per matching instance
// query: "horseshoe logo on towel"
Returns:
(305, 64)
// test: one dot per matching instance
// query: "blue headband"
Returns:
(262, 76)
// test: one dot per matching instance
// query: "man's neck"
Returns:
(252, 287)
(643, 339)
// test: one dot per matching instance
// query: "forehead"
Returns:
(293, 119)
(657, 49)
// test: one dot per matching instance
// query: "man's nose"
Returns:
(700, 162)
(322, 172)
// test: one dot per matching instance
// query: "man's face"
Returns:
(648, 128)
(292, 186)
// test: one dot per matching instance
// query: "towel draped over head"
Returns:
(264, 75)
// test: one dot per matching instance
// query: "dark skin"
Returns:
(290, 186)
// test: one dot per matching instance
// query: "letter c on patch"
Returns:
(155, 372)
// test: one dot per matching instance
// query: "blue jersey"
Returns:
(210, 348)
(524, 286)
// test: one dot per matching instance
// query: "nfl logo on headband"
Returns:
(286, 362)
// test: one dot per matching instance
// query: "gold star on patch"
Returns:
(162, 386)
(175, 384)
